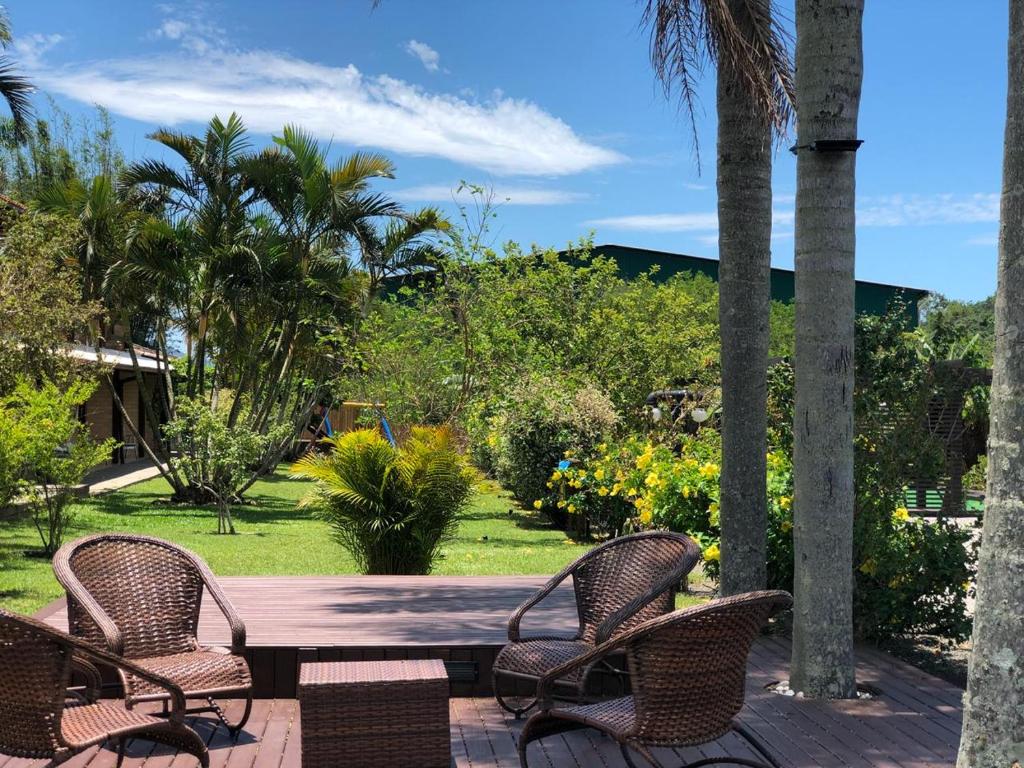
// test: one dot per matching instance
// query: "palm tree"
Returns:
(994, 704)
(215, 196)
(14, 88)
(401, 245)
(754, 93)
(829, 70)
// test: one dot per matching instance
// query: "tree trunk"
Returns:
(993, 733)
(829, 69)
(744, 285)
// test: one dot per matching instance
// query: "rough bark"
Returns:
(744, 248)
(993, 732)
(829, 69)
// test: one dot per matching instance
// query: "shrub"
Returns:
(976, 477)
(53, 450)
(391, 507)
(216, 458)
(536, 423)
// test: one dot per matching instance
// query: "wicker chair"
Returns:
(139, 597)
(617, 585)
(688, 672)
(36, 718)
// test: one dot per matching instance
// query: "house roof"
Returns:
(120, 360)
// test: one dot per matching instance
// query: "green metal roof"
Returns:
(871, 298)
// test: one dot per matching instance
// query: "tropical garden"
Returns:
(537, 401)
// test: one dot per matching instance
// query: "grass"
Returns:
(495, 537)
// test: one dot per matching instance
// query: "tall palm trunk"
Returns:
(744, 248)
(829, 70)
(993, 732)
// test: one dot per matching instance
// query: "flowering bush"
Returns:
(640, 485)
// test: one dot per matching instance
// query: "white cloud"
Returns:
(988, 241)
(439, 193)
(918, 210)
(172, 29)
(428, 57)
(31, 48)
(659, 222)
(677, 222)
(269, 89)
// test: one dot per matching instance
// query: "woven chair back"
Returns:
(150, 589)
(34, 674)
(689, 674)
(623, 570)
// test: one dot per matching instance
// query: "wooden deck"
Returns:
(913, 722)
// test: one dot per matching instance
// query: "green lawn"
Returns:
(276, 538)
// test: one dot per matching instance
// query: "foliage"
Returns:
(537, 421)
(910, 575)
(53, 449)
(960, 330)
(40, 305)
(55, 150)
(976, 478)
(484, 322)
(215, 457)
(391, 507)
(782, 329)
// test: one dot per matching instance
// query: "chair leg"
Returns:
(235, 728)
(122, 744)
(518, 712)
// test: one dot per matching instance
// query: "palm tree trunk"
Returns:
(993, 732)
(744, 248)
(829, 70)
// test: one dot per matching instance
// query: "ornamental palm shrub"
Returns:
(391, 507)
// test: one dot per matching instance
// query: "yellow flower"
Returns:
(646, 516)
(550, 484)
(561, 505)
(572, 508)
(599, 474)
(652, 480)
(602, 491)
(686, 491)
(603, 447)
(643, 460)
(966, 585)
(713, 516)
(712, 554)
(785, 502)
(869, 567)
(786, 526)
(537, 504)
(631, 491)
(556, 475)
(575, 484)
(902, 514)
(569, 454)
(690, 463)
(709, 470)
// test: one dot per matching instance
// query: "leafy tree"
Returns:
(41, 308)
(54, 451)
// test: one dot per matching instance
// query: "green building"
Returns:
(871, 298)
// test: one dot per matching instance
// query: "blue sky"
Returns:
(554, 106)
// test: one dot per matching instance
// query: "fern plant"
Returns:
(391, 507)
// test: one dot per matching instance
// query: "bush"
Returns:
(537, 423)
(976, 477)
(215, 458)
(391, 507)
(52, 451)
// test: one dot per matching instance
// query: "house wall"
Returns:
(104, 419)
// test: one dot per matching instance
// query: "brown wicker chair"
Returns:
(688, 673)
(617, 585)
(36, 718)
(139, 597)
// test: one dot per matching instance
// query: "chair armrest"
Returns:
(93, 681)
(76, 592)
(547, 681)
(119, 662)
(226, 608)
(516, 618)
